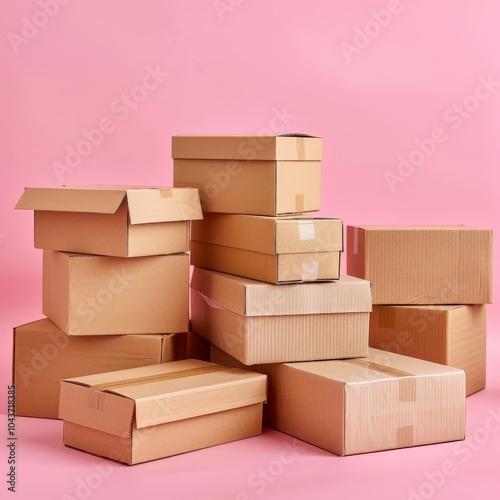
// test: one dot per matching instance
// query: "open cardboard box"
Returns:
(43, 355)
(242, 174)
(272, 249)
(259, 322)
(156, 411)
(351, 406)
(115, 221)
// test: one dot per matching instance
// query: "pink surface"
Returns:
(404, 93)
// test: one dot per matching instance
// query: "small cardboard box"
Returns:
(120, 222)
(100, 295)
(43, 355)
(449, 335)
(422, 264)
(272, 249)
(350, 406)
(260, 175)
(258, 322)
(156, 411)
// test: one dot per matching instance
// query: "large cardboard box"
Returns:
(453, 335)
(258, 322)
(272, 249)
(381, 402)
(161, 410)
(43, 355)
(260, 175)
(116, 221)
(98, 295)
(422, 264)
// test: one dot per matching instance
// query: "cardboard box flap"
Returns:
(270, 235)
(145, 205)
(177, 390)
(255, 298)
(248, 147)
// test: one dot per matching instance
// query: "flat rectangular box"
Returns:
(272, 249)
(100, 295)
(423, 264)
(115, 221)
(259, 175)
(258, 322)
(43, 355)
(156, 411)
(351, 406)
(450, 335)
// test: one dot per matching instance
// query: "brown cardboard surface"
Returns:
(272, 249)
(423, 264)
(260, 187)
(169, 402)
(450, 335)
(43, 355)
(98, 295)
(248, 147)
(258, 322)
(115, 221)
(381, 402)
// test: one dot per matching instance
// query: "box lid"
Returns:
(157, 394)
(145, 204)
(248, 147)
(256, 298)
(271, 235)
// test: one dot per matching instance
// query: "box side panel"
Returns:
(172, 438)
(123, 296)
(419, 332)
(197, 347)
(467, 347)
(101, 444)
(304, 267)
(55, 300)
(297, 186)
(355, 251)
(158, 239)
(230, 186)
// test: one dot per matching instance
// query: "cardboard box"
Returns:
(449, 335)
(258, 322)
(98, 295)
(260, 175)
(161, 410)
(120, 222)
(43, 355)
(272, 249)
(381, 402)
(422, 264)
(197, 347)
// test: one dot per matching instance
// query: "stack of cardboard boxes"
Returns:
(270, 314)
(307, 335)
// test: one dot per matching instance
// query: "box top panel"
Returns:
(271, 235)
(145, 204)
(248, 147)
(157, 394)
(378, 365)
(457, 227)
(255, 298)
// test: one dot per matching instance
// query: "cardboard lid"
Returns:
(255, 298)
(145, 205)
(299, 233)
(157, 394)
(248, 147)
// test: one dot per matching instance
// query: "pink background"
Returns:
(237, 66)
